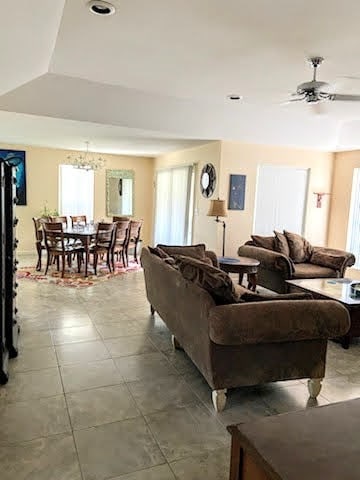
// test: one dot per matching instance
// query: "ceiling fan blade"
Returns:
(349, 77)
(292, 100)
(344, 98)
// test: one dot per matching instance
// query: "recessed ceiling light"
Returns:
(99, 7)
(234, 97)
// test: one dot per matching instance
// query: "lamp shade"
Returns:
(217, 208)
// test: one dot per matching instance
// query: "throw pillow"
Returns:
(281, 244)
(255, 297)
(171, 261)
(194, 251)
(212, 279)
(263, 242)
(327, 258)
(300, 248)
(158, 252)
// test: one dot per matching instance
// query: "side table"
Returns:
(241, 265)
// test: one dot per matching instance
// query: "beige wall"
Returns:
(42, 166)
(238, 158)
(205, 229)
(227, 157)
(344, 165)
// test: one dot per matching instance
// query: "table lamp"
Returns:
(217, 209)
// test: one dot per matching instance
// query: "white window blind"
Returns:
(353, 236)
(280, 199)
(76, 191)
(174, 206)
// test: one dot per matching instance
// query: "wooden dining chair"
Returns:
(57, 247)
(59, 219)
(120, 242)
(80, 219)
(39, 239)
(104, 243)
(121, 219)
(133, 239)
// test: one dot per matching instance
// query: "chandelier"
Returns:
(85, 161)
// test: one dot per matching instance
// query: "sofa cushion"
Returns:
(263, 242)
(300, 248)
(281, 244)
(212, 279)
(308, 270)
(194, 251)
(328, 258)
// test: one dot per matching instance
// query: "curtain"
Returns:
(174, 206)
(76, 191)
(353, 236)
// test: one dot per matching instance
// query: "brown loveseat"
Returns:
(247, 343)
(276, 264)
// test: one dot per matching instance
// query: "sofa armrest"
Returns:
(213, 257)
(268, 259)
(277, 321)
(339, 260)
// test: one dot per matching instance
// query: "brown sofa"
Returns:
(275, 267)
(245, 343)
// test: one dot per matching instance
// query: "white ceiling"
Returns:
(154, 76)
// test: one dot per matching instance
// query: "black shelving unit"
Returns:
(9, 328)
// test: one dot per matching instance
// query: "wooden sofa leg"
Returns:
(152, 310)
(314, 387)
(219, 399)
(175, 343)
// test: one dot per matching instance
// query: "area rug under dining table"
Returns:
(74, 279)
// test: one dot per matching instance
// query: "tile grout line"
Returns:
(70, 421)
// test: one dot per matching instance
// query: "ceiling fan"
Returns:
(315, 91)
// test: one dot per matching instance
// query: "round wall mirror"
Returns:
(208, 180)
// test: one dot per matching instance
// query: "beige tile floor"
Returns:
(97, 393)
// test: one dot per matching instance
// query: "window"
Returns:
(174, 206)
(280, 199)
(353, 235)
(76, 191)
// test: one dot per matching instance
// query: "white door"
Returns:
(280, 199)
(174, 206)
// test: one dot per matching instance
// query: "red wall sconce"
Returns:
(319, 197)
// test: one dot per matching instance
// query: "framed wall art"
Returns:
(237, 192)
(17, 158)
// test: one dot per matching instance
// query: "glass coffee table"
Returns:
(338, 289)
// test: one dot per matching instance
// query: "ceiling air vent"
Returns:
(98, 7)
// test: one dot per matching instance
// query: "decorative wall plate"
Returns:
(208, 180)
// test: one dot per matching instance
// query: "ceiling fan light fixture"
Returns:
(100, 7)
(315, 91)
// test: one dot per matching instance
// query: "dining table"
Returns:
(84, 233)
